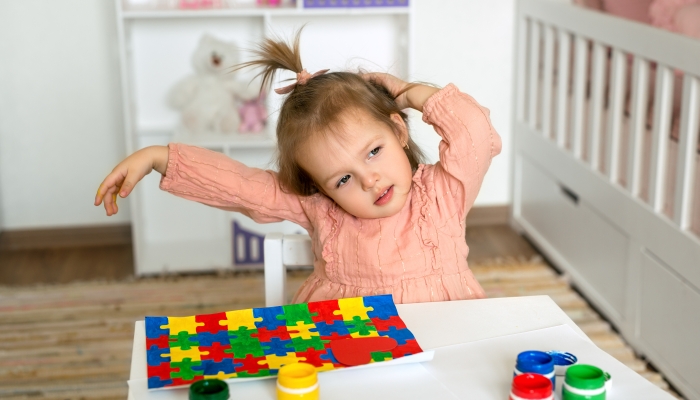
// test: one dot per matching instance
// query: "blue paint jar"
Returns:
(537, 362)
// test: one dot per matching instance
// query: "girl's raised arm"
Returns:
(469, 142)
(212, 178)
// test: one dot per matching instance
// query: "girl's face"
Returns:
(363, 168)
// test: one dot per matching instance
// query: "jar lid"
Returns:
(297, 376)
(535, 361)
(209, 389)
(531, 386)
(562, 358)
(584, 376)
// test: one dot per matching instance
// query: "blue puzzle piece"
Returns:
(277, 347)
(269, 317)
(155, 382)
(154, 355)
(383, 305)
(400, 335)
(153, 327)
(325, 329)
(329, 357)
(207, 339)
(226, 366)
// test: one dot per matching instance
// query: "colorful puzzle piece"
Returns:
(212, 323)
(240, 318)
(353, 307)
(176, 325)
(256, 342)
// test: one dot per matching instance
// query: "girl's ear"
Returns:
(401, 130)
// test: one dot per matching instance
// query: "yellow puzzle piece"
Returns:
(182, 324)
(353, 307)
(237, 319)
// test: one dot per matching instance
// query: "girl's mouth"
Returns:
(385, 197)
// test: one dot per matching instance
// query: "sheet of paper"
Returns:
(407, 381)
(484, 369)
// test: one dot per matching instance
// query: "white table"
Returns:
(475, 343)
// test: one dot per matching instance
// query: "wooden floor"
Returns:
(61, 263)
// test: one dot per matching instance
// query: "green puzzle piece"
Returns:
(243, 336)
(358, 325)
(186, 372)
(183, 340)
(314, 342)
(381, 355)
(240, 350)
(294, 313)
(262, 372)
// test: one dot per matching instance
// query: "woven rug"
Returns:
(74, 341)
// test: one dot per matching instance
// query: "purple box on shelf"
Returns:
(354, 3)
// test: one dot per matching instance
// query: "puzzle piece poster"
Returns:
(256, 342)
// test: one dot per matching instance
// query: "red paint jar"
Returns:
(530, 386)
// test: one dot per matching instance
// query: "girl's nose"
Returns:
(369, 180)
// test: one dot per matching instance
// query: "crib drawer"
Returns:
(669, 321)
(587, 246)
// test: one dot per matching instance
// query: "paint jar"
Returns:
(584, 382)
(209, 389)
(297, 382)
(562, 362)
(530, 386)
(537, 362)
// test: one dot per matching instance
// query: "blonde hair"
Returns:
(316, 106)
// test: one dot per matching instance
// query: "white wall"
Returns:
(60, 113)
(469, 43)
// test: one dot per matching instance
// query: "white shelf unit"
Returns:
(174, 235)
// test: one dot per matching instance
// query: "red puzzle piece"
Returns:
(334, 336)
(162, 371)
(163, 342)
(250, 364)
(324, 310)
(357, 351)
(180, 381)
(216, 352)
(313, 356)
(411, 347)
(281, 332)
(211, 322)
(385, 324)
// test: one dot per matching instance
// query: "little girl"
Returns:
(349, 173)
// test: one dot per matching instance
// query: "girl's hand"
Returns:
(406, 95)
(128, 173)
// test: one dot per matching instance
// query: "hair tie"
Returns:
(302, 78)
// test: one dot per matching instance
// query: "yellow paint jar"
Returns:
(297, 382)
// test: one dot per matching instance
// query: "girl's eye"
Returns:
(343, 181)
(374, 152)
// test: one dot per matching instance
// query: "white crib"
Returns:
(599, 185)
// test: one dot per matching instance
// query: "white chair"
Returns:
(282, 251)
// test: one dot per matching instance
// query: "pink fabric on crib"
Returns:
(637, 10)
(417, 255)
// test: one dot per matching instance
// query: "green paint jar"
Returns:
(209, 389)
(584, 382)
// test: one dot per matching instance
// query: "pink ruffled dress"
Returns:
(417, 255)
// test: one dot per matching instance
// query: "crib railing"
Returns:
(580, 73)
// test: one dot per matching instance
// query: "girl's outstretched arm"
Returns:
(216, 180)
(128, 173)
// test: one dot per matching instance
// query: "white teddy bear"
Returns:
(209, 100)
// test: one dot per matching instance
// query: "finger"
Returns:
(126, 187)
(110, 200)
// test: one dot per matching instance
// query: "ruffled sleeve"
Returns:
(469, 142)
(213, 179)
